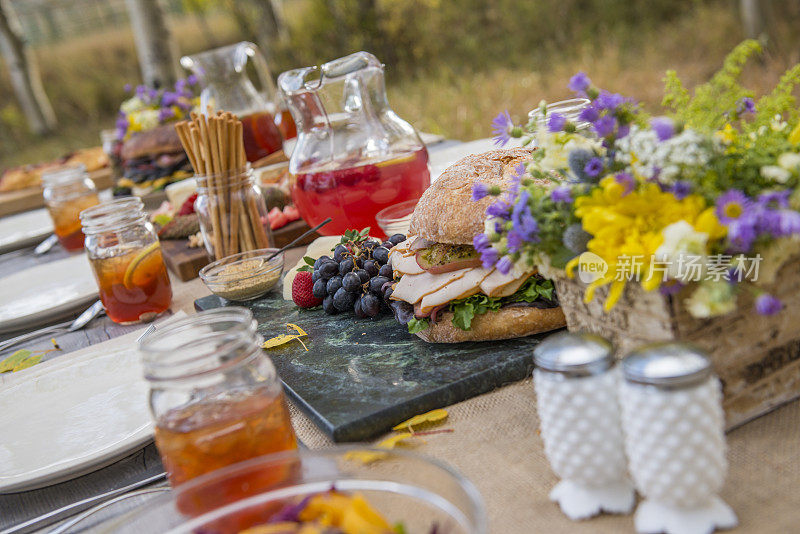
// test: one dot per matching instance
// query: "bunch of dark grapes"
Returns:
(358, 277)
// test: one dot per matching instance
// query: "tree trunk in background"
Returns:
(24, 73)
(753, 19)
(154, 44)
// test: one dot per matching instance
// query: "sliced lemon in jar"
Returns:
(395, 161)
(137, 261)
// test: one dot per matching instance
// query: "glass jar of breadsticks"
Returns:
(230, 206)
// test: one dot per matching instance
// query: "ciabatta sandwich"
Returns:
(443, 293)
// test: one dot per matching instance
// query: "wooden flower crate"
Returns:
(756, 357)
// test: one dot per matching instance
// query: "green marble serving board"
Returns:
(360, 377)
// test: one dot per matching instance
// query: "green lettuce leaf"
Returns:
(417, 325)
(464, 310)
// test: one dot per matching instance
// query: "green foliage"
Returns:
(464, 310)
(780, 101)
(713, 102)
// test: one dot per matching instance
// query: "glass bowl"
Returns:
(421, 493)
(396, 219)
(243, 276)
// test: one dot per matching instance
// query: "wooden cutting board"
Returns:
(31, 198)
(185, 262)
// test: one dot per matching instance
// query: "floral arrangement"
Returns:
(704, 197)
(149, 108)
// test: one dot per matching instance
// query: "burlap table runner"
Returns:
(496, 444)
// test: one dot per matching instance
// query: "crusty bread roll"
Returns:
(447, 214)
(505, 323)
(160, 140)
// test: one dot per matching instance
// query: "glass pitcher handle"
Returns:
(262, 69)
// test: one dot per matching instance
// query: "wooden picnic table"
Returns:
(494, 442)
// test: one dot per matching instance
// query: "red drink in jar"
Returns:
(286, 124)
(261, 135)
(353, 193)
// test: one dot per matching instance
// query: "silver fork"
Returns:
(67, 326)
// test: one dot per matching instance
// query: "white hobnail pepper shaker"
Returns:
(674, 436)
(576, 391)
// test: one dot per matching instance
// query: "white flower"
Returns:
(789, 161)
(130, 105)
(777, 123)
(775, 173)
(711, 298)
(683, 251)
(556, 149)
(648, 157)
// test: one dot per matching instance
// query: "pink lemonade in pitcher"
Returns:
(353, 194)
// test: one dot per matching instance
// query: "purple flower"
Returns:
(169, 99)
(489, 257)
(605, 125)
(741, 234)
(579, 83)
(623, 130)
(609, 101)
(516, 179)
(663, 127)
(789, 222)
(499, 209)
(164, 114)
(479, 191)
(625, 179)
(514, 241)
(672, 287)
(767, 221)
(480, 242)
(501, 128)
(192, 79)
(556, 122)
(127, 87)
(594, 167)
(766, 304)
(153, 94)
(180, 85)
(589, 114)
(731, 205)
(141, 91)
(523, 219)
(681, 189)
(745, 106)
(561, 194)
(779, 199)
(505, 265)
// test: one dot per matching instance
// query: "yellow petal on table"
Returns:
(429, 417)
(16, 359)
(28, 362)
(391, 442)
(282, 339)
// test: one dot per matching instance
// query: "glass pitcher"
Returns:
(226, 86)
(354, 156)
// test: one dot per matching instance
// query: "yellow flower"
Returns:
(794, 137)
(727, 135)
(628, 229)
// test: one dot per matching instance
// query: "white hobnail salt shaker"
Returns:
(674, 436)
(576, 390)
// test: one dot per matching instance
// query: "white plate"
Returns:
(72, 417)
(46, 292)
(24, 229)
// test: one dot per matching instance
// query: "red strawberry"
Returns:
(187, 208)
(301, 291)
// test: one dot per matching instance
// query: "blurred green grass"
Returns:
(451, 65)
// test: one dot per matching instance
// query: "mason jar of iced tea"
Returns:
(126, 259)
(216, 400)
(67, 192)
